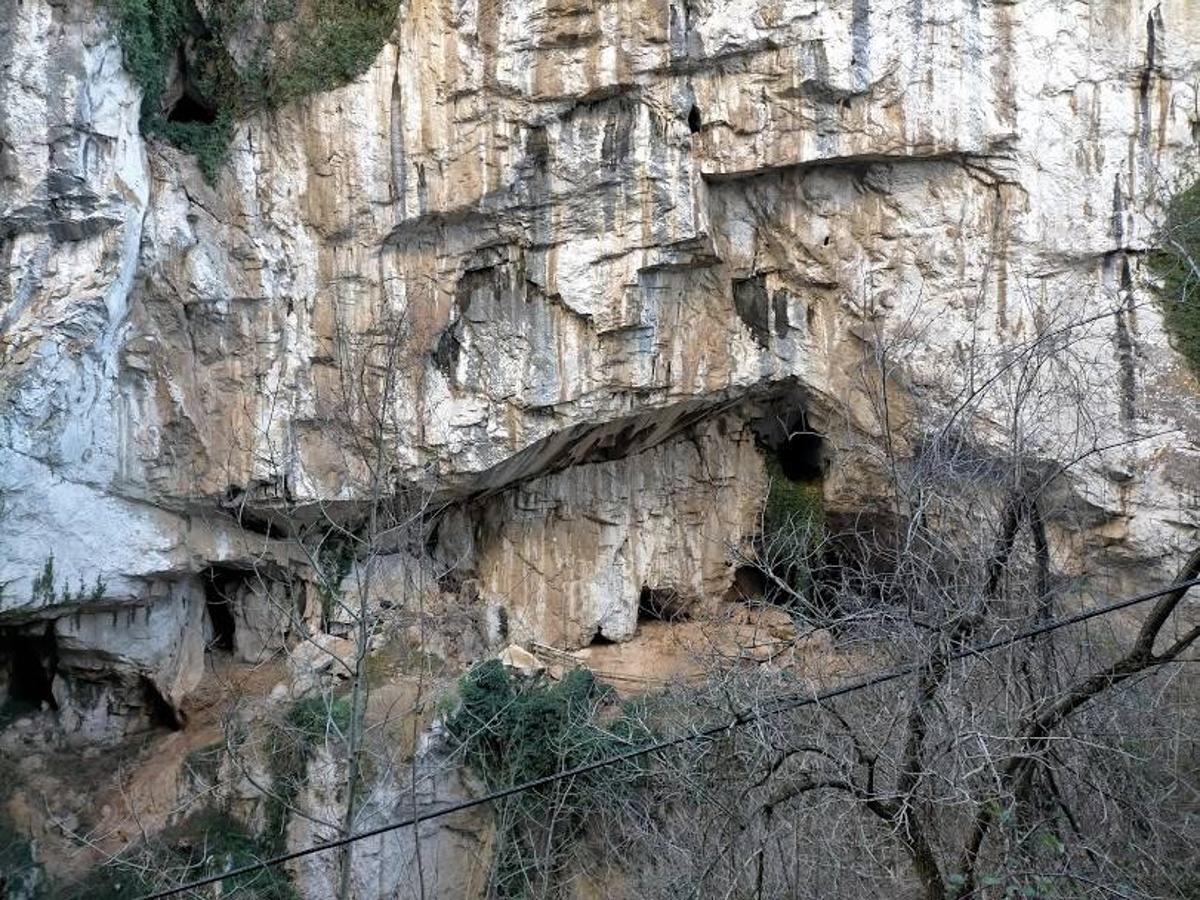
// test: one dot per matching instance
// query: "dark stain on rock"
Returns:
(537, 148)
(1123, 338)
(618, 135)
(780, 301)
(750, 301)
(448, 350)
(1153, 28)
(860, 43)
(449, 344)
(1118, 212)
(396, 146)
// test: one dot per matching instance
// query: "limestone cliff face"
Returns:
(608, 235)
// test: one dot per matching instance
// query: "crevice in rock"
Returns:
(694, 120)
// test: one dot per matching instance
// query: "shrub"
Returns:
(793, 504)
(1176, 265)
(512, 730)
(207, 842)
(307, 725)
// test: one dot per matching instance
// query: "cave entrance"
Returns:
(222, 586)
(30, 660)
(802, 457)
(749, 585)
(189, 109)
(661, 605)
(160, 712)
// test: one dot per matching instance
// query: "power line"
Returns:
(783, 704)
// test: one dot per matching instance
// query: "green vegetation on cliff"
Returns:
(193, 88)
(205, 843)
(512, 730)
(1176, 265)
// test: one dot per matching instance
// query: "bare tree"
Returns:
(987, 777)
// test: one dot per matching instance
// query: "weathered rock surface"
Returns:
(596, 229)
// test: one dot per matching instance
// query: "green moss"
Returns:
(1176, 266)
(514, 730)
(305, 46)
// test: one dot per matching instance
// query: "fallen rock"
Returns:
(517, 657)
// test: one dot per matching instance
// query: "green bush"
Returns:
(1176, 265)
(306, 726)
(206, 843)
(512, 730)
(43, 592)
(793, 532)
(341, 40)
(306, 46)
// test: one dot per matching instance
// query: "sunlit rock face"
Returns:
(571, 215)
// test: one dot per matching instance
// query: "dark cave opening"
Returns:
(221, 587)
(160, 712)
(694, 121)
(600, 639)
(189, 109)
(802, 456)
(749, 585)
(661, 605)
(30, 660)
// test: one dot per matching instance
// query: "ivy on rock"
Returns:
(203, 66)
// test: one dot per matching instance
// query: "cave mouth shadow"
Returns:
(187, 109)
(802, 457)
(222, 585)
(661, 605)
(31, 661)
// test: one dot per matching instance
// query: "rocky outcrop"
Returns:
(584, 234)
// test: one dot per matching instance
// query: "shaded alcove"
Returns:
(801, 456)
(661, 605)
(222, 586)
(159, 711)
(188, 109)
(749, 585)
(30, 660)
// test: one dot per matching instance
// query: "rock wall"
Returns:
(588, 230)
